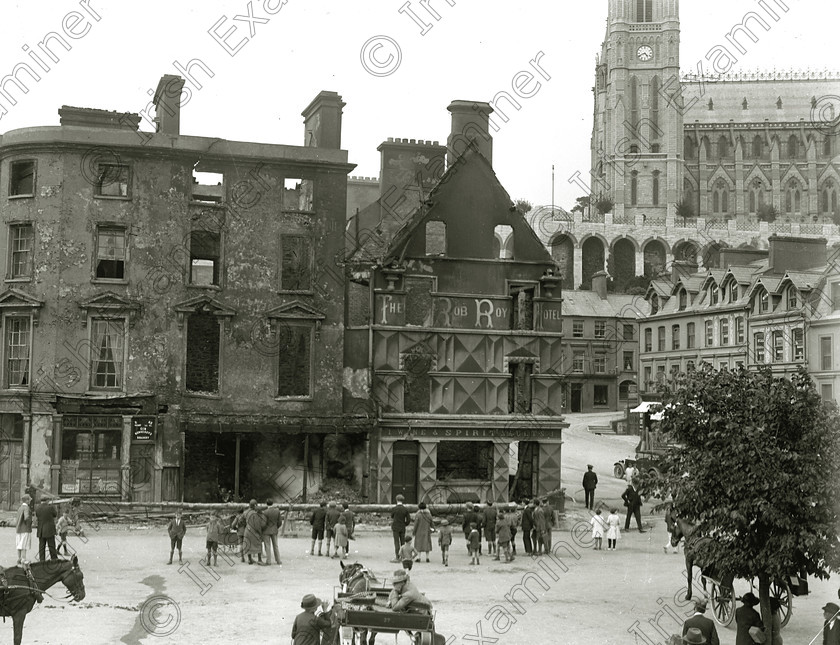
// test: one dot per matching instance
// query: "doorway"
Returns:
(406, 468)
(577, 395)
(11, 450)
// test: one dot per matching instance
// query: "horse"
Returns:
(680, 529)
(357, 578)
(25, 585)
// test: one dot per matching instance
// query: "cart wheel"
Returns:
(618, 471)
(723, 604)
(781, 592)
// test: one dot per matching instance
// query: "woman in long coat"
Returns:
(254, 525)
(423, 530)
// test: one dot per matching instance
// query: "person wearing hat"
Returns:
(309, 624)
(254, 524)
(747, 617)
(590, 481)
(23, 532)
(405, 596)
(694, 636)
(444, 540)
(831, 629)
(706, 626)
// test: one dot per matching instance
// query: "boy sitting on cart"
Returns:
(406, 596)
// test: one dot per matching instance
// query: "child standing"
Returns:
(444, 540)
(598, 527)
(62, 526)
(214, 536)
(613, 529)
(407, 554)
(177, 530)
(238, 523)
(341, 537)
(474, 543)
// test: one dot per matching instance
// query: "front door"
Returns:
(142, 472)
(406, 467)
(577, 392)
(10, 455)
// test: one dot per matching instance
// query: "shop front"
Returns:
(451, 460)
(92, 450)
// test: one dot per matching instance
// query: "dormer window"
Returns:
(763, 302)
(683, 300)
(791, 298)
(713, 295)
(654, 304)
(733, 293)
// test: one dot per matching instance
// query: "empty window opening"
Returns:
(298, 194)
(465, 460)
(295, 360)
(503, 242)
(208, 187)
(296, 269)
(519, 395)
(113, 180)
(110, 253)
(205, 258)
(522, 307)
(203, 336)
(22, 178)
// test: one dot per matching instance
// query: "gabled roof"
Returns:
(660, 287)
(471, 174)
(589, 303)
(801, 280)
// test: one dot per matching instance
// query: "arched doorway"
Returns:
(593, 260)
(686, 252)
(654, 258)
(562, 251)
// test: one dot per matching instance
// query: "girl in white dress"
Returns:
(613, 529)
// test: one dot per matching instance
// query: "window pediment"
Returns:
(18, 301)
(203, 305)
(295, 311)
(111, 304)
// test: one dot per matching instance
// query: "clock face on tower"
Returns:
(645, 53)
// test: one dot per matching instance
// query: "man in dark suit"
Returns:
(634, 507)
(273, 519)
(590, 482)
(400, 518)
(705, 625)
(46, 514)
(831, 630)
(528, 526)
(745, 617)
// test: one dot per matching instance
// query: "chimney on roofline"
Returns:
(322, 121)
(795, 253)
(167, 102)
(470, 124)
(599, 284)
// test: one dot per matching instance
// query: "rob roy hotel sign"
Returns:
(469, 312)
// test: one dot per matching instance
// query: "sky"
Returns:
(395, 79)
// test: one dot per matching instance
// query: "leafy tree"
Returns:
(581, 204)
(604, 205)
(756, 465)
(767, 213)
(685, 209)
(523, 205)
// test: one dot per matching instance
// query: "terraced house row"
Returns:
(779, 308)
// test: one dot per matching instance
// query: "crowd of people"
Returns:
(50, 524)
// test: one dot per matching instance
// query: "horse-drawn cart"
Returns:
(722, 598)
(356, 620)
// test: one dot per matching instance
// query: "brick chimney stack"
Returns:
(322, 121)
(167, 102)
(793, 253)
(470, 122)
(599, 284)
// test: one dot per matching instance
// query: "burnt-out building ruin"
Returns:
(172, 315)
(453, 335)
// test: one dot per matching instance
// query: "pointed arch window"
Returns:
(755, 196)
(793, 197)
(655, 133)
(656, 188)
(720, 197)
(757, 147)
(634, 188)
(828, 198)
(723, 147)
(827, 147)
(793, 146)
(634, 103)
(689, 150)
(644, 10)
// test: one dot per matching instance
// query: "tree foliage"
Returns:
(523, 205)
(581, 204)
(767, 213)
(684, 209)
(604, 205)
(756, 464)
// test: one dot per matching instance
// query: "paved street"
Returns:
(582, 597)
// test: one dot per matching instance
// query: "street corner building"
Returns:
(172, 312)
(454, 328)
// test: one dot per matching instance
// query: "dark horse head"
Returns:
(355, 577)
(74, 580)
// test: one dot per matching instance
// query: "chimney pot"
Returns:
(470, 124)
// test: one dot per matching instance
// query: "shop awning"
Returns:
(645, 406)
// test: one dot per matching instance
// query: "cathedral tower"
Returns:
(637, 134)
